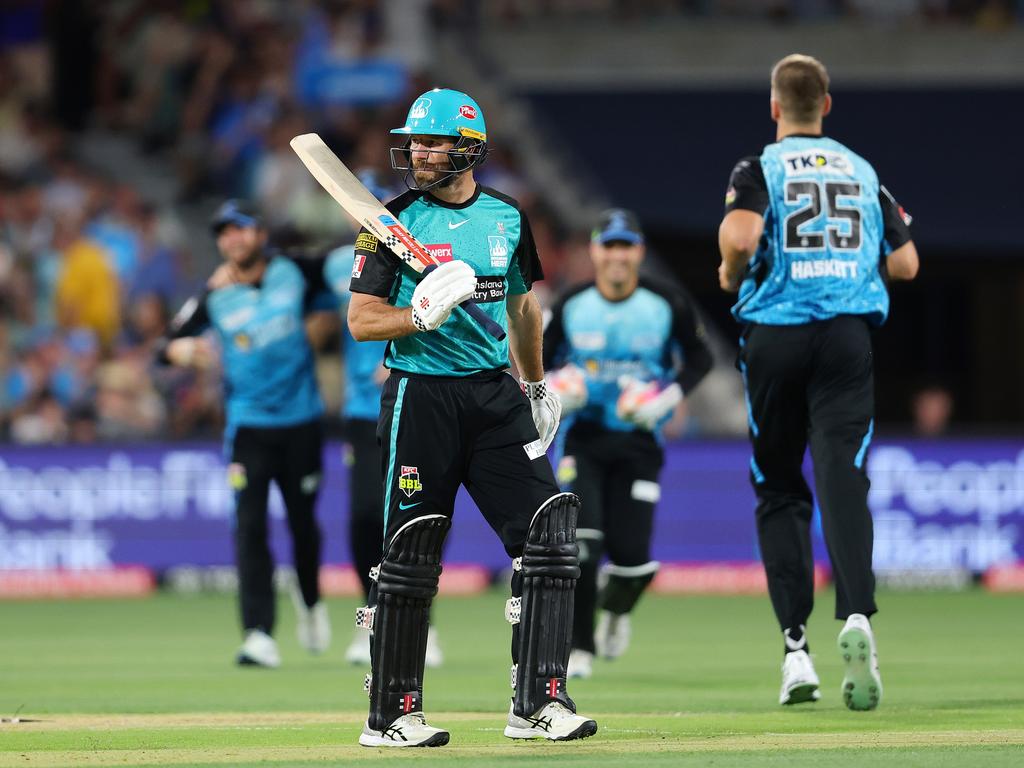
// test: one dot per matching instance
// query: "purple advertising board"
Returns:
(936, 504)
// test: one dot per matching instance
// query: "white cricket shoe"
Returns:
(862, 685)
(313, 627)
(407, 731)
(358, 651)
(433, 658)
(258, 650)
(554, 721)
(799, 680)
(581, 664)
(611, 638)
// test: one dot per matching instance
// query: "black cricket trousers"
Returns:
(814, 384)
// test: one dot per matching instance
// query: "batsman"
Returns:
(451, 415)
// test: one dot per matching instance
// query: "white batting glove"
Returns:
(644, 404)
(570, 384)
(546, 407)
(438, 293)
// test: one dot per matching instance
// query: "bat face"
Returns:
(355, 198)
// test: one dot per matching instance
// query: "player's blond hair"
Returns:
(800, 84)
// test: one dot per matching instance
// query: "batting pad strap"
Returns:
(546, 584)
(513, 610)
(364, 617)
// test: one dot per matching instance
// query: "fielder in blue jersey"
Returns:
(623, 352)
(810, 240)
(450, 416)
(273, 430)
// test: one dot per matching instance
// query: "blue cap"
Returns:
(241, 213)
(618, 225)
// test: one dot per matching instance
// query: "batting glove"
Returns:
(546, 407)
(438, 293)
(570, 384)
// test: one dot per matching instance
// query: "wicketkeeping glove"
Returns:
(644, 404)
(546, 407)
(438, 293)
(570, 384)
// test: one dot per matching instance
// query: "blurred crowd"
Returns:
(991, 14)
(207, 92)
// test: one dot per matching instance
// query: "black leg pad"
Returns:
(544, 581)
(406, 585)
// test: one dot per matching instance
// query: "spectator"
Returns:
(87, 288)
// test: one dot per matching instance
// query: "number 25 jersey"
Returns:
(828, 226)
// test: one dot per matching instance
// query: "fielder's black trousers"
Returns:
(292, 458)
(615, 474)
(812, 384)
(366, 508)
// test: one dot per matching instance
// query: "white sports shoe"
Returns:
(312, 627)
(581, 664)
(358, 651)
(611, 638)
(799, 680)
(554, 721)
(434, 658)
(258, 650)
(407, 731)
(862, 685)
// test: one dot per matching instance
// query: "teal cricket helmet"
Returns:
(443, 112)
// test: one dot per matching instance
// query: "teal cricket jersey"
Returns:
(828, 226)
(490, 233)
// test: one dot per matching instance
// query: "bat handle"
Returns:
(473, 310)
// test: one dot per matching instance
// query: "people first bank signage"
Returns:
(936, 506)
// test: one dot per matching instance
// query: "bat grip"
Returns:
(473, 310)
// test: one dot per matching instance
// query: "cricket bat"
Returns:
(355, 198)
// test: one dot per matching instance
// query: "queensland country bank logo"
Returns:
(409, 480)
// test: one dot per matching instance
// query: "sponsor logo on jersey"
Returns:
(467, 111)
(237, 319)
(589, 340)
(501, 228)
(409, 480)
(242, 341)
(498, 247)
(816, 160)
(812, 268)
(367, 242)
(419, 109)
(730, 196)
(489, 289)
(357, 265)
(441, 251)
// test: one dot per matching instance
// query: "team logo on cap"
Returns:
(467, 111)
(419, 109)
